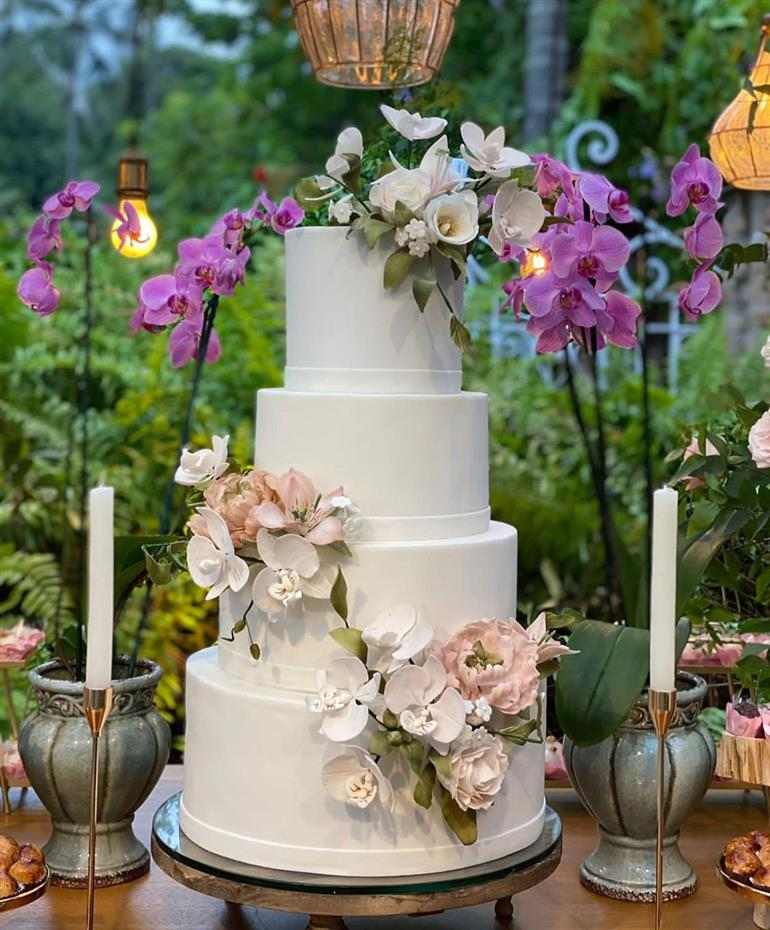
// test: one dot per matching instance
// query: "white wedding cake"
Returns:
(372, 403)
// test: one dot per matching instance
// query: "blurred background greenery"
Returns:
(221, 100)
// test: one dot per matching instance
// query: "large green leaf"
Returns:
(596, 688)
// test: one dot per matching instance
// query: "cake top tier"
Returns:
(346, 333)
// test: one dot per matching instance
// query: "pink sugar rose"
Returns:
(18, 643)
(744, 719)
(236, 498)
(495, 660)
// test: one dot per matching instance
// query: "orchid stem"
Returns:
(209, 316)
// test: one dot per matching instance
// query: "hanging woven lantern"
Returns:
(374, 44)
(740, 139)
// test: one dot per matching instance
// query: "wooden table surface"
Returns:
(157, 903)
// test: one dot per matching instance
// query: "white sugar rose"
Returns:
(402, 185)
(478, 763)
(341, 211)
(453, 218)
(759, 441)
(489, 154)
(412, 126)
(354, 778)
(203, 465)
(517, 216)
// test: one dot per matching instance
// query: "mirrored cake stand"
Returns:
(328, 899)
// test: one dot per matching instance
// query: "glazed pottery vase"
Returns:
(615, 780)
(55, 745)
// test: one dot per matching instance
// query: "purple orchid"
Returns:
(596, 252)
(616, 321)
(553, 332)
(604, 199)
(185, 340)
(37, 291)
(704, 239)
(574, 299)
(695, 181)
(168, 298)
(77, 195)
(210, 264)
(702, 294)
(43, 237)
(551, 175)
(280, 217)
(515, 292)
(231, 228)
(129, 228)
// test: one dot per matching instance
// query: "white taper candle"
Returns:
(100, 588)
(663, 618)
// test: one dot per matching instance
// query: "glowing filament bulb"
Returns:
(534, 264)
(134, 239)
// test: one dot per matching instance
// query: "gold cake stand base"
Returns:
(328, 899)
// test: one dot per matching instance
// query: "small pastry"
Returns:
(741, 863)
(739, 842)
(8, 886)
(27, 873)
(759, 839)
(31, 853)
(761, 878)
(9, 852)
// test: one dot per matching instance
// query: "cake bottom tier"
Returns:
(253, 792)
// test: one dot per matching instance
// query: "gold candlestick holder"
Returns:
(97, 704)
(662, 706)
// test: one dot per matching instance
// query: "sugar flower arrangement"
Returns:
(447, 710)
(435, 211)
(275, 532)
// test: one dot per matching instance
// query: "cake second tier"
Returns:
(415, 465)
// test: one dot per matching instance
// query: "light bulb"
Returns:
(134, 244)
(534, 264)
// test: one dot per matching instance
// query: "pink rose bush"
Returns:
(278, 532)
(453, 708)
(13, 767)
(759, 441)
(18, 643)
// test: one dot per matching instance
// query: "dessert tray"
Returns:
(26, 895)
(760, 898)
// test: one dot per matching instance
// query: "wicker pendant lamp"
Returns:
(375, 44)
(740, 139)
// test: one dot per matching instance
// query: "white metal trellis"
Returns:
(509, 337)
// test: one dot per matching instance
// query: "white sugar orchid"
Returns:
(489, 154)
(548, 648)
(345, 693)
(517, 216)
(354, 778)
(350, 143)
(414, 187)
(292, 571)
(425, 707)
(211, 558)
(412, 126)
(453, 218)
(203, 465)
(396, 636)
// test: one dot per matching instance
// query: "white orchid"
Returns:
(292, 571)
(350, 143)
(453, 218)
(354, 778)
(548, 647)
(412, 126)
(489, 154)
(517, 216)
(345, 692)
(414, 187)
(203, 465)
(211, 558)
(396, 636)
(425, 707)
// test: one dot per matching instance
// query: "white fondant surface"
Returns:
(415, 465)
(253, 792)
(345, 332)
(449, 581)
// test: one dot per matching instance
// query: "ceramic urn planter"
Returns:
(615, 780)
(55, 745)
